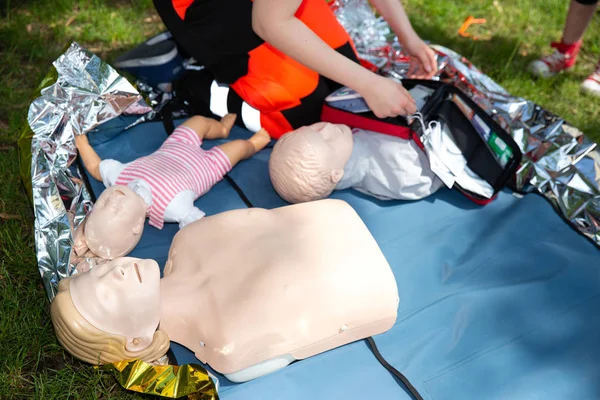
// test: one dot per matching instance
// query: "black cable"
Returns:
(239, 191)
(393, 370)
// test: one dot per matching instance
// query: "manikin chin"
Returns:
(248, 291)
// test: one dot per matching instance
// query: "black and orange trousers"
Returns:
(249, 77)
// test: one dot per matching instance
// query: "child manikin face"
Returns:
(115, 225)
(332, 143)
(121, 297)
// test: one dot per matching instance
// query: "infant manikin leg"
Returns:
(182, 210)
(208, 128)
(238, 150)
(220, 129)
(194, 215)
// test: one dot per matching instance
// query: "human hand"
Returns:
(387, 98)
(423, 59)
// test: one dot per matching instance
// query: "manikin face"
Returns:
(121, 297)
(115, 225)
(332, 143)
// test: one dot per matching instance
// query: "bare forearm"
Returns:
(393, 12)
(274, 22)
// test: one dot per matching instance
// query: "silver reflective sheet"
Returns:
(559, 161)
(87, 93)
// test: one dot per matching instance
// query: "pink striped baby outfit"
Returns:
(179, 164)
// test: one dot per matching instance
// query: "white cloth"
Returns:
(180, 210)
(388, 167)
(448, 162)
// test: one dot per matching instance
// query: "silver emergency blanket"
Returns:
(87, 93)
(559, 161)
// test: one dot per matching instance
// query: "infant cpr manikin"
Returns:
(248, 291)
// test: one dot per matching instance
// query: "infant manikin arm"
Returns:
(88, 155)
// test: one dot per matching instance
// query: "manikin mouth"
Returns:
(137, 271)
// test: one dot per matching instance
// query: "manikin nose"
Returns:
(133, 269)
(118, 193)
(136, 270)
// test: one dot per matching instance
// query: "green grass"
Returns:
(34, 32)
(32, 35)
(516, 33)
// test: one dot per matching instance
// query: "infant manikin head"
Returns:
(307, 164)
(115, 224)
(111, 312)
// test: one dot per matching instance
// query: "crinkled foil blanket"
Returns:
(559, 161)
(86, 93)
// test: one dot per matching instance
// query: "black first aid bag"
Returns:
(490, 152)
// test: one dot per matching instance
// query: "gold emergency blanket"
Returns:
(169, 381)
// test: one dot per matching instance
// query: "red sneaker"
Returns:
(563, 58)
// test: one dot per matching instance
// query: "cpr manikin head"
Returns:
(111, 313)
(115, 224)
(307, 164)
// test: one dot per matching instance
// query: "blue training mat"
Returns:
(496, 302)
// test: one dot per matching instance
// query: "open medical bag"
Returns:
(490, 153)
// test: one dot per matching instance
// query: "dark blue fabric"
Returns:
(496, 302)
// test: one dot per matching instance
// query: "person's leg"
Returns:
(578, 18)
(238, 150)
(592, 83)
(226, 44)
(220, 41)
(565, 54)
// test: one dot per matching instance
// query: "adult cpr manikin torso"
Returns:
(249, 291)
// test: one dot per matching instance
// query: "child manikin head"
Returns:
(111, 313)
(308, 163)
(115, 224)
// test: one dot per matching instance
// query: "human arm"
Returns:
(393, 12)
(275, 22)
(88, 155)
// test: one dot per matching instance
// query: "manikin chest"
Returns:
(292, 282)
